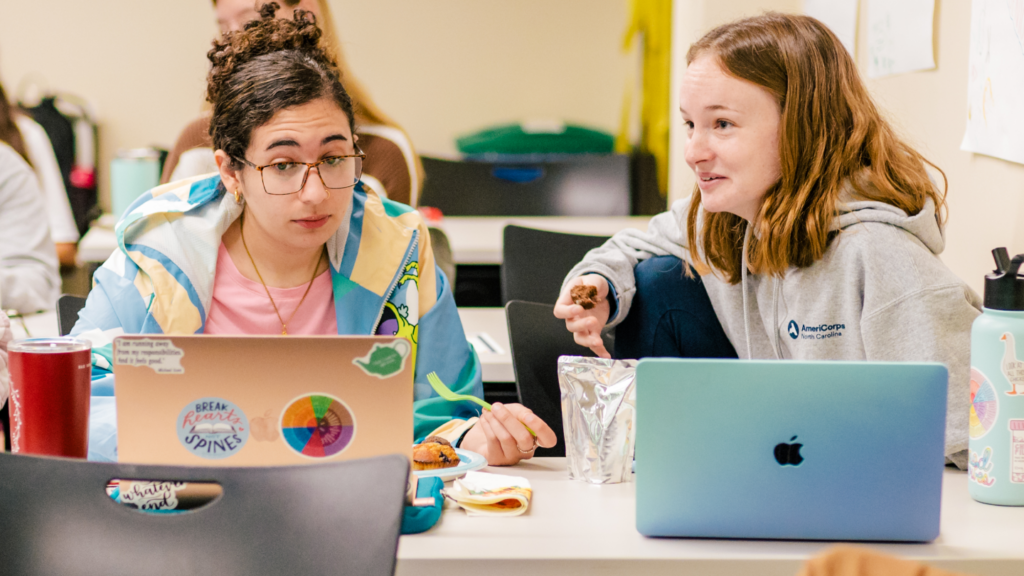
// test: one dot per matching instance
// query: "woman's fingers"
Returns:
(586, 325)
(514, 426)
(506, 441)
(568, 310)
(593, 341)
(583, 324)
(546, 437)
(501, 434)
(565, 308)
(495, 454)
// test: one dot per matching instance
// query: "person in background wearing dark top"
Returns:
(392, 166)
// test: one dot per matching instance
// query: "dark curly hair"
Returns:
(270, 65)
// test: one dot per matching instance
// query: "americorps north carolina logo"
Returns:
(794, 330)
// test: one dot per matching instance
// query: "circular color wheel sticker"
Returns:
(984, 405)
(318, 426)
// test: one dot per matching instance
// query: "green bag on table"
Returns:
(537, 138)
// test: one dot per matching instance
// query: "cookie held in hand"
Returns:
(584, 295)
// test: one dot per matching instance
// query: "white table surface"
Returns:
(39, 325)
(487, 329)
(478, 239)
(578, 528)
(474, 240)
(97, 245)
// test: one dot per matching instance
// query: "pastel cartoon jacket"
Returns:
(160, 281)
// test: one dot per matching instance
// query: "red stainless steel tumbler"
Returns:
(50, 389)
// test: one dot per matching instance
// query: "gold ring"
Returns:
(532, 448)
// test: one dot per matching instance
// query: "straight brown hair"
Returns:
(9, 132)
(831, 136)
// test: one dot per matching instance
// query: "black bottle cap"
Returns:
(1004, 288)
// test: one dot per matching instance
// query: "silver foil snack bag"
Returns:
(599, 417)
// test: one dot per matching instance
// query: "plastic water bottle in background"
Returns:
(132, 173)
(996, 455)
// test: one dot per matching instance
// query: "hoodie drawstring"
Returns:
(774, 333)
(776, 346)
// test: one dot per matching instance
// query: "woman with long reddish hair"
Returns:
(813, 232)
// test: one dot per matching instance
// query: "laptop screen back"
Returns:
(256, 400)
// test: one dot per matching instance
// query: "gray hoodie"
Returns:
(880, 293)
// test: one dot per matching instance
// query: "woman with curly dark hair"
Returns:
(392, 168)
(287, 240)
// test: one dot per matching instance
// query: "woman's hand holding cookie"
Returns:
(585, 323)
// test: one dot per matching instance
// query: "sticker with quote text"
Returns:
(159, 354)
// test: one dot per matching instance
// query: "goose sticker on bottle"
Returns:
(1013, 369)
(213, 428)
(385, 360)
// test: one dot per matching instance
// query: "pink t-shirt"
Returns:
(241, 306)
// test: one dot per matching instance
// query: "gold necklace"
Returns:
(284, 325)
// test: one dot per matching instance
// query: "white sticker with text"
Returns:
(160, 354)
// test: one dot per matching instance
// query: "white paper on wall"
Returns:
(838, 15)
(900, 36)
(995, 80)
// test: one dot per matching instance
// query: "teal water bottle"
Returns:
(995, 464)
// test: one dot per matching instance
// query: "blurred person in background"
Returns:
(392, 167)
(5, 376)
(31, 139)
(29, 279)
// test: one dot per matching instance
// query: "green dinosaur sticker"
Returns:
(385, 360)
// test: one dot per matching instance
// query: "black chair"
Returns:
(68, 306)
(564, 185)
(537, 339)
(340, 518)
(534, 262)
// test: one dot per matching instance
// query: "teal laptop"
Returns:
(789, 450)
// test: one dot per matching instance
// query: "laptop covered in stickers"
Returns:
(261, 400)
(790, 449)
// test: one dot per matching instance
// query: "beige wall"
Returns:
(140, 62)
(441, 68)
(445, 68)
(986, 195)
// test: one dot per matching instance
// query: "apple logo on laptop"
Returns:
(788, 454)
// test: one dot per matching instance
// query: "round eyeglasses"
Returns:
(336, 172)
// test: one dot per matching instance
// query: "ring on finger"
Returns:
(531, 449)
